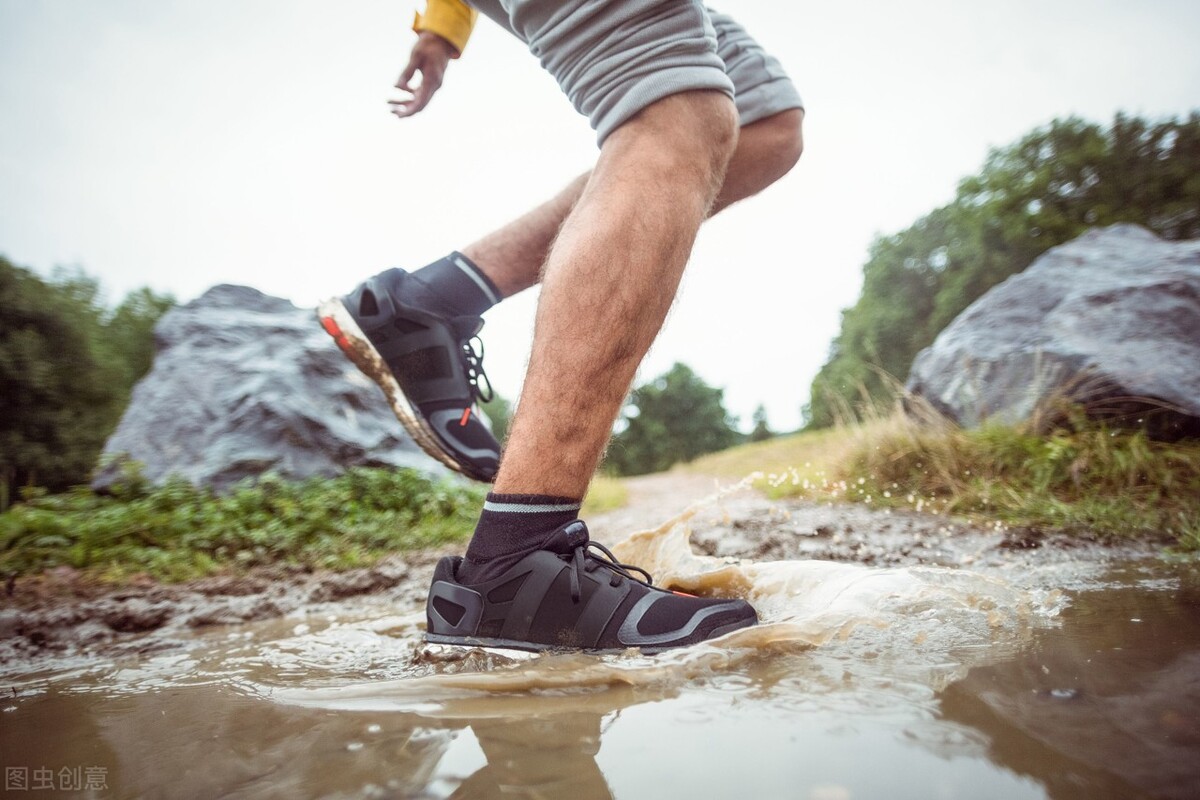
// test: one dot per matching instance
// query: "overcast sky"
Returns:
(185, 143)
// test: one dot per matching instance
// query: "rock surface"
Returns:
(1110, 320)
(244, 384)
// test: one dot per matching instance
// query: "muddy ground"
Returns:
(59, 613)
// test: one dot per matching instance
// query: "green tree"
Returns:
(499, 413)
(67, 366)
(1042, 191)
(762, 430)
(129, 334)
(675, 417)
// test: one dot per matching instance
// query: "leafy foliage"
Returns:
(129, 335)
(673, 418)
(1043, 191)
(499, 413)
(178, 531)
(761, 431)
(67, 365)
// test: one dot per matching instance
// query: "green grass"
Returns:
(802, 456)
(177, 531)
(606, 493)
(1095, 479)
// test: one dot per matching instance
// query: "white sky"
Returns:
(185, 143)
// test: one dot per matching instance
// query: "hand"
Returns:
(429, 56)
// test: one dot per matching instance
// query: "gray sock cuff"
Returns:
(459, 285)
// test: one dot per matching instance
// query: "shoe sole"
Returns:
(487, 642)
(337, 321)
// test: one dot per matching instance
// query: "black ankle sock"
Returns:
(510, 527)
(461, 287)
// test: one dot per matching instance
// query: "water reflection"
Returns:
(1106, 706)
(208, 741)
(785, 724)
(550, 757)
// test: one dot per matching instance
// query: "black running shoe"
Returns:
(429, 365)
(565, 596)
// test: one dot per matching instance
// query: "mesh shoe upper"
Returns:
(436, 360)
(565, 595)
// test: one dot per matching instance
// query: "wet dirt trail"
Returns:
(900, 655)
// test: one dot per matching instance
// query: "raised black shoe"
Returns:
(429, 365)
(567, 595)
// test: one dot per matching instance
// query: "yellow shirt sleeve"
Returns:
(453, 20)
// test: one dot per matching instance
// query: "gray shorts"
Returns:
(613, 58)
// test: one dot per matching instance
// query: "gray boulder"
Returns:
(244, 384)
(1110, 320)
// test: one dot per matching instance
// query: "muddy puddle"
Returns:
(986, 665)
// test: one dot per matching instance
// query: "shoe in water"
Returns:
(429, 365)
(568, 596)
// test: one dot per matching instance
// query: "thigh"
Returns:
(613, 58)
(761, 87)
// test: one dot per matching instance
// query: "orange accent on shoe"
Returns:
(682, 594)
(331, 327)
(462, 423)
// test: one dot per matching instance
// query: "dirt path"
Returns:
(653, 499)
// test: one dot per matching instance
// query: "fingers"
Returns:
(431, 81)
(404, 108)
(429, 57)
(412, 105)
(407, 76)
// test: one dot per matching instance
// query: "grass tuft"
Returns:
(1088, 479)
(606, 493)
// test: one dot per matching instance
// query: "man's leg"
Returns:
(610, 279)
(514, 255)
(528, 578)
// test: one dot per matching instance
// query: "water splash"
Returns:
(923, 624)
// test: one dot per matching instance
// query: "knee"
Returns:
(686, 133)
(785, 139)
(719, 132)
(712, 137)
